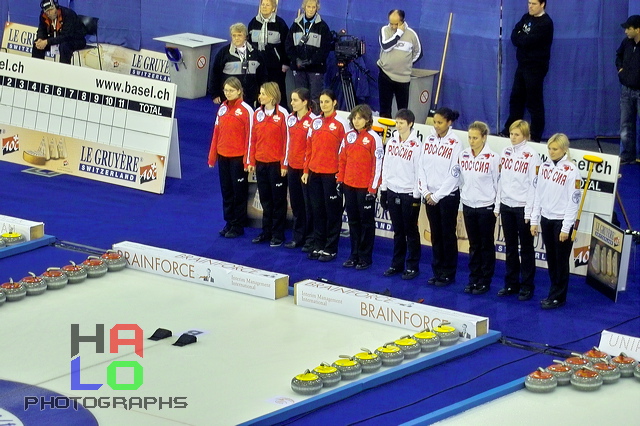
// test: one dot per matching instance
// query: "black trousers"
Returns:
(404, 211)
(272, 191)
(300, 207)
(362, 223)
(521, 268)
(66, 50)
(326, 208)
(443, 220)
(558, 255)
(527, 91)
(480, 224)
(387, 89)
(234, 188)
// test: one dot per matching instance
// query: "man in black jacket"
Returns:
(532, 36)
(628, 65)
(60, 31)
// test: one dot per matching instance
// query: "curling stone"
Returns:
(369, 361)
(429, 341)
(330, 375)
(448, 334)
(410, 346)
(13, 238)
(3, 243)
(3, 297)
(55, 278)
(306, 383)
(586, 379)
(577, 362)
(390, 354)
(562, 371)
(33, 284)
(596, 355)
(636, 371)
(75, 273)
(541, 381)
(114, 260)
(610, 373)
(625, 363)
(14, 291)
(349, 367)
(95, 267)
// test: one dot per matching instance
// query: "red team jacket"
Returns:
(298, 132)
(360, 160)
(232, 131)
(323, 144)
(269, 137)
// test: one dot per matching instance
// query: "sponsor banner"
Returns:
(18, 39)
(200, 270)
(600, 200)
(384, 310)
(608, 258)
(30, 230)
(111, 164)
(614, 344)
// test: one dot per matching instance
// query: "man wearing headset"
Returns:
(60, 32)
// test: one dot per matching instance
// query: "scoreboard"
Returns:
(85, 122)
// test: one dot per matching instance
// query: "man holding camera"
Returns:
(308, 45)
(399, 49)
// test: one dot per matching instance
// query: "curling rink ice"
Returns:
(241, 367)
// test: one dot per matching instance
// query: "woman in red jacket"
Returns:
(359, 175)
(229, 149)
(266, 157)
(299, 123)
(320, 168)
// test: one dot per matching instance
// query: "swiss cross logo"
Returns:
(148, 173)
(10, 144)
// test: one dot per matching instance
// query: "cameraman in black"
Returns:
(308, 45)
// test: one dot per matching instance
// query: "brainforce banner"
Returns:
(600, 200)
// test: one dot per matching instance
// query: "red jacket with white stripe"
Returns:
(298, 132)
(360, 160)
(269, 137)
(232, 131)
(323, 144)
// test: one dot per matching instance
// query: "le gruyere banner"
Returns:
(200, 270)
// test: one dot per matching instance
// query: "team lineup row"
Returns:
(330, 165)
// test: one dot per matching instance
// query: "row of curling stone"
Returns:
(11, 239)
(57, 278)
(390, 354)
(585, 372)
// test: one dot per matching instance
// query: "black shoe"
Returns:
(391, 272)
(525, 294)
(275, 242)
(506, 291)
(224, 230)
(551, 304)
(432, 280)
(469, 288)
(349, 263)
(261, 238)
(327, 257)
(410, 274)
(292, 244)
(443, 282)
(234, 233)
(307, 248)
(480, 289)
(313, 255)
(363, 265)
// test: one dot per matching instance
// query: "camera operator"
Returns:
(308, 45)
(399, 49)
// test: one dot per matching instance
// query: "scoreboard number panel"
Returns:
(107, 115)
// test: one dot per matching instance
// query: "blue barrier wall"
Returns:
(581, 90)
